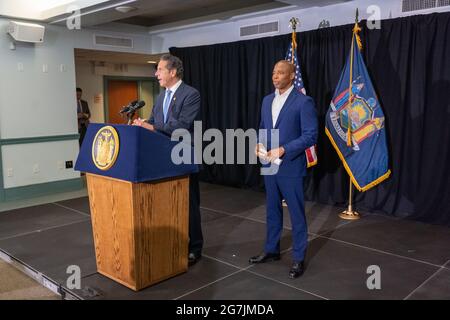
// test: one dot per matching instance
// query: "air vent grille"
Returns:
(417, 5)
(113, 41)
(269, 27)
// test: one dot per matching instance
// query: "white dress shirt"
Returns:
(174, 87)
(278, 103)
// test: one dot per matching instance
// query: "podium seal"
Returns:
(105, 148)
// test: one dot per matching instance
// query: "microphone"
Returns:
(127, 108)
(136, 106)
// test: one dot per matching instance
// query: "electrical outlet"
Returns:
(9, 172)
(60, 165)
(69, 164)
(45, 68)
(36, 168)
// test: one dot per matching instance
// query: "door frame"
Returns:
(106, 80)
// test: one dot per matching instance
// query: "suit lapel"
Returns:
(285, 107)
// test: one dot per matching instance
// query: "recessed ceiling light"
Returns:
(151, 61)
(125, 9)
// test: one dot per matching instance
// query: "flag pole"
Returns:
(349, 214)
(293, 22)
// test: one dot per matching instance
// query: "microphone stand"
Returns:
(130, 116)
(132, 110)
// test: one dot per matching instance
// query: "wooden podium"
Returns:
(140, 229)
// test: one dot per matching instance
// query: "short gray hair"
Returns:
(173, 63)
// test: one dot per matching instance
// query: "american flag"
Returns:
(291, 56)
(298, 81)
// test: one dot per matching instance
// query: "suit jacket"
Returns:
(184, 109)
(85, 106)
(297, 124)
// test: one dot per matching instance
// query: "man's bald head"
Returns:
(283, 75)
(289, 65)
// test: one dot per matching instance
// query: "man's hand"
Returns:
(275, 154)
(260, 151)
(142, 123)
(259, 148)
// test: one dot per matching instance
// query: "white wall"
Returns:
(92, 85)
(228, 31)
(91, 81)
(34, 103)
(50, 157)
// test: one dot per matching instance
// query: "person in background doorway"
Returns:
(84, 114)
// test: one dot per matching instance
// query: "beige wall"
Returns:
(90, 78)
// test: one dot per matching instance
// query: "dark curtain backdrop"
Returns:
(409, 62)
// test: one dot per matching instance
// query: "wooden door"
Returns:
(120, 93)
(146, 94)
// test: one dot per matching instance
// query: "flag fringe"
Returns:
(347, 168)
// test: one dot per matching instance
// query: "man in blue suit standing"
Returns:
(294, 116)
(177, 108)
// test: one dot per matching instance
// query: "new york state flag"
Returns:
(355, 123)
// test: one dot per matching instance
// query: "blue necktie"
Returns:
(166, 104)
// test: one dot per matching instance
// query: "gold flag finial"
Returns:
(293, 23)
(357, 29)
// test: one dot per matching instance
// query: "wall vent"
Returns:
(101, 40)
(268, 27)
(417, 5)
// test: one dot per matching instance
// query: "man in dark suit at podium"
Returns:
(176, 108)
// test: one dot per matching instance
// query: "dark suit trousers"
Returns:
(291, 189)
(82, 131)
(195, 226)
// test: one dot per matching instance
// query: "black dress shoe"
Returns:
(297, 269)
(193, 258)
(265, 257)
